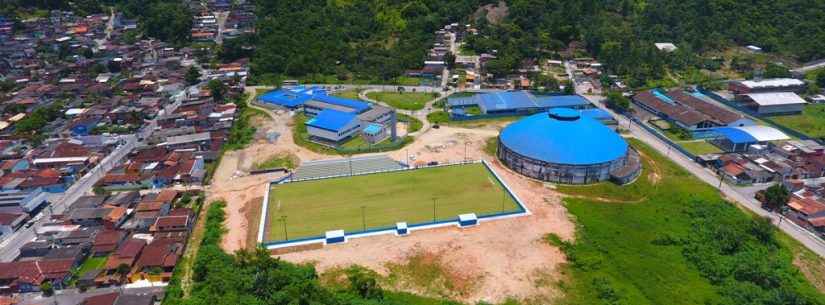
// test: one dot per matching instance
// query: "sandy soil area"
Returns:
(447, 144)
(233, 184)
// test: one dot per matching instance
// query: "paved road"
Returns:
(814, 65)
(221, 20)
(802, 235)
(74, 297)
(10, 248)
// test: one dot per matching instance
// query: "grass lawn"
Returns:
(314, 207)
(811, 122)
(700, 147)
(438, 117)
(413, 124)
(350, 94)
(632, 241)
(91, 263)
(405, 101)
(355, 142)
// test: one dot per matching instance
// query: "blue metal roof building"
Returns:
(296, 97)
(515, 102)
(562, 136)
(332, 120)
(563, 145)
(288, 98)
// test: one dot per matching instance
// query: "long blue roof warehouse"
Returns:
(297, 97)
(514, 102)
(564, 145)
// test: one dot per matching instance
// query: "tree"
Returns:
(820, 79)
(192, 76)
(775, 197)
(449, 60)
(773, 70)
(569, 88)
(168, 21)
(618, 102)
(217, 89)
(47, 288)
(123, 270)
(364, 283)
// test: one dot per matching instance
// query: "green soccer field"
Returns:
(311, 208)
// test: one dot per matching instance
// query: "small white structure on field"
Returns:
(335, 237)
(401, 229)
(467, 220)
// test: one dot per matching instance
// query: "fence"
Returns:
(521, 210)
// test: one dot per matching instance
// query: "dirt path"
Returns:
(504, 258)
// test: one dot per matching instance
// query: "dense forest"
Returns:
(358, 38)
(374, 38)
(379, 39)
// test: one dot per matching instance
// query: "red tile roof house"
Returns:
(158, 259)
(107, 242)
(29, 275)
(127, 253)
(177, 220)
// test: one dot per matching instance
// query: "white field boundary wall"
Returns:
(391, 230)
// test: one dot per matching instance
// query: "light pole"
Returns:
(283, 219)
(433, 209)
(465, 150)
(363, 218)
(503, 191)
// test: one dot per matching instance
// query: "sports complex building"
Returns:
(564, 146)
(501, 103)
(334, 120)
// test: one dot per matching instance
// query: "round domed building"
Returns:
(564, 146)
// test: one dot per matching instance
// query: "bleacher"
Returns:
(345, 167)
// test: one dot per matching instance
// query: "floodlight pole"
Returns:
(465, 151)
(283, 219)
(503, 190)
(363, 218)
(433, 209)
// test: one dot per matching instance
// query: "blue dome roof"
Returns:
(562, 136)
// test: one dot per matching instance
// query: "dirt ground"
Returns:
(504, 258)
(232, 183)
(447, 144)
